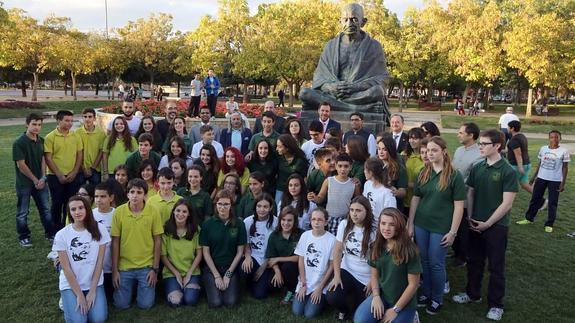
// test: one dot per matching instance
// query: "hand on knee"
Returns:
(175, 297)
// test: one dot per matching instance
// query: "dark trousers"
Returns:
(537, 200)
(258, 288)
(290, 274)
(216, 297)
(346, 300)
(194, 109)
(60, 194)
(491, 244)
(212, 101)
(460, 243)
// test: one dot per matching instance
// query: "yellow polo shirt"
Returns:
(92, 142)
(63, 148)
(163, 206)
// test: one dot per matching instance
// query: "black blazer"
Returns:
(403, 142)
(226, 139)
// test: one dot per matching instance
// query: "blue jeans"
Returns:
(432, 262)
(41, 198)
(307, 308)
(97, 313)
(279, 195)
(363, 313)
(191, 296)
(146, 294)
(216, 298)
(260, 287)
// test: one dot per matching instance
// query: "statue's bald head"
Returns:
(352, 18)
(354, 8)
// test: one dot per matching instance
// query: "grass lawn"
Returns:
(74, 106)
(539, 270)
(536, 125)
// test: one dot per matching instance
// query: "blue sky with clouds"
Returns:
(89, 15)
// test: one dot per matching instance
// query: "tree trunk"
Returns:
(401, 89)
(23, 85)
(245, 98)
(97, 87)
(74, 86)
(529, 103)
(179, 84)
(35, 87)
(430, 92)
(464, 94)
(291, 89)
(66, 87)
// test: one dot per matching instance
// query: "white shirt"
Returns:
(196, 88)
(309, 148)
(105, 219)
(317, 253)
(552, 160)
(82, 254)
(165, 163)
(379, 198)
(259, 241)
(505, 119)
(352, 260)
(133, 125)
(198, 147)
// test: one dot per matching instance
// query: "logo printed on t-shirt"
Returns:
(496, 176)
(80, 250)
(257, 241)
(352, 245)
(312, 256)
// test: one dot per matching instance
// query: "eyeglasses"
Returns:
(223, 204)
(484, 143)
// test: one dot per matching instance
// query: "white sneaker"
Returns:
(463, 298)
(61, 304)
(495, 314)
(446, 288)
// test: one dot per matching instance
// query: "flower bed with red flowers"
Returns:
(155, 108)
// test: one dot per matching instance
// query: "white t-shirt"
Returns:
(198, 147)
(82, 254)
(165, 163)
(317, 252)
(133, 125)
(505, 119)
(105, 219)
(259, 241)
(309, 148)
(304, 221)
(379, 198)
(352, 260)
(552, 160)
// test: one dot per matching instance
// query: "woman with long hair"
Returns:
(291, 160)
(356, 148)
(178, 128)
(376, 189)
(211, 164)
(296, 197)
(413, 162)
(294, 128)
(195, 195)
(434, 216)
(117, 147)
(265, 161)
(178, 166)
(394, 168)
(177, 149)
(233, 162)
(430, 129)
(148, 172)
(395, 271)
(148, 125)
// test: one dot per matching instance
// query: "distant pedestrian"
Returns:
(281, 96)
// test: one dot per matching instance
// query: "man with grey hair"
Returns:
(236, 135)
(279, 123)
(396, 124)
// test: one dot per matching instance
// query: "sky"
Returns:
(90, 15)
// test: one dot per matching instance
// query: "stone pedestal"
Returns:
(374, 121)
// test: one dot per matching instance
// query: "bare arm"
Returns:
(470, 197)
(412, 208)
(409, 292)
(537, 171)
(518, 158)
(320, 197)
(337, 255)
(237, 258)
(115, 261)
(210, 261)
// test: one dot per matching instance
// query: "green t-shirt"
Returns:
(134, 161)
(201, 203)
(285, 169)
(222, 239)
(118, 154)
(356, 171)
(314, 182)
(136, 235)
(31, 152)
(245, 207)
(402, 179)
(435, 210)
(413, 166)
(489, 184)
(181, 253)
(393, 278)
(208, 178)
(272, 139)
(278, 246)
(270, 171)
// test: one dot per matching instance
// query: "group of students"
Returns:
(321, 220)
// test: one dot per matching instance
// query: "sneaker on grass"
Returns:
(446, 288)
(287, 298)
(548, 229)
(463, 298)
(571, 234)
(422, 301)
(495, 314)
(523, 222)
(434, 308)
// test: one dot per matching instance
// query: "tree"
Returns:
(109, 57)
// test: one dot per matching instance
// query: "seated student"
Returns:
(148, 172)
(178, 166)
(394, 274)
(351, 272)
(280, 253)
(339, 190)
(134, 160)
(296, 196)
(136, 240)
(103, 212)
(315, 251)
(265, 161)
(245, 206)
(207, 133)
(211, 164)
(223, 238)
(233, 162)
(166, 198)
(177, 150)
(198, 198)
(81, 246)
(325, 161)
(181, 256)
(259, 226)
(376, 188)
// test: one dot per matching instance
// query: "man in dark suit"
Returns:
(323, 112)
(400, 137)
(236, 134)
(279, 123)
